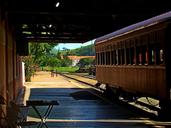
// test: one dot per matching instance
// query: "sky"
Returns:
(72, 45)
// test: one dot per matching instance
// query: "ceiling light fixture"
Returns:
(57, 4)
(50, 25)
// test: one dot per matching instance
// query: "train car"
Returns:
(137, 60)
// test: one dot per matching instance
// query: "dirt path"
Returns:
(45, 77)
(44, 80)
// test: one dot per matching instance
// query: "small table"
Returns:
(48, 103)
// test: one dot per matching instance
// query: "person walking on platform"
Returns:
(52, 73)
(56, 73)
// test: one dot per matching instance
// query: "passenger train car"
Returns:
(137, 60)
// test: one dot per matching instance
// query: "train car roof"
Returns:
(134, 27)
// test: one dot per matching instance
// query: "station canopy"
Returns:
(77, 21)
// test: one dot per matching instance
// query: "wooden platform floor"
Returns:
(79, 106)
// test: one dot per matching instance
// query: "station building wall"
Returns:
(10, 61)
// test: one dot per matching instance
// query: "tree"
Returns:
(38, 54)
(85, 62)
(28, 67)
(38, 51)
(88, 50)
(66, 62)
(53, 62)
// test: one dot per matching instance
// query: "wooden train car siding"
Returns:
(134, 58)
(134, 79)
(168, 59)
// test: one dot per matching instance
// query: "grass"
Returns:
(62, 69)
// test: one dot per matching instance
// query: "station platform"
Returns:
(79, 106)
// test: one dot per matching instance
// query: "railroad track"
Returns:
(141, 105)
(82, 78)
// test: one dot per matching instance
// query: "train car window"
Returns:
(105, 58)
(159, 51)
(102, 58)
(144, 55)
(112, 57)
(122, 56)
(108, 58)
(128, 56)
(161, 56)
(96, 58)
(117, 57)
(152, 54)
(157, 55)
(99, 58)
(132, 56)
(139, 55)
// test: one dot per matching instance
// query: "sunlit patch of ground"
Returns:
(45, 80)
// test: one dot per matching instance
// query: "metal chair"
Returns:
(3, 123)
(16, 116)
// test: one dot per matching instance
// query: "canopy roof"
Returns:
(77, 20)
(134, 27)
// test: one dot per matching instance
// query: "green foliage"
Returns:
(62, 69)
(53, 62)
(39, 53)
(44, 55)
(67, 69)
(88, 50)
(86, 62)
(66, 62)
(29, 67)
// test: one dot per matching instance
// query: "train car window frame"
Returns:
(122, 56)
(132, 56)
(128, 59)
(161, 56)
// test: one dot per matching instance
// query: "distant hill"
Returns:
(83, 51)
